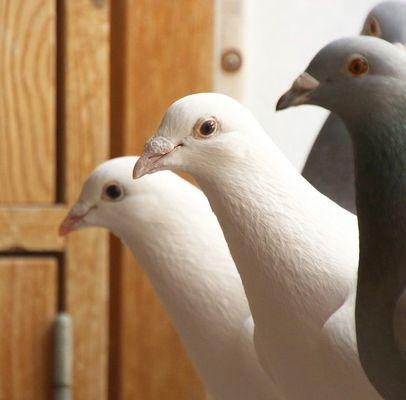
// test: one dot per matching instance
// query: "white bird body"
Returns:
(305, 250)
(296, 251)
(170, 228)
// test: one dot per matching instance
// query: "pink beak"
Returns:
(73, 221)
(69, 224)
(154, 150)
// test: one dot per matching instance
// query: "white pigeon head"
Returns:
(387, 21)
(107, 195)
(350, 76)
(200, 130)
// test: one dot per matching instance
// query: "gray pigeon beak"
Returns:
(299, 93)
(154, 150)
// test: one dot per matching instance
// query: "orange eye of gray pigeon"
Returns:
(207, 128)
(113, 192)
(358, 66)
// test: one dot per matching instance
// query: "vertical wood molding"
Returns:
(169, 54)
(85, 132)
(162, 51)
(230, 35)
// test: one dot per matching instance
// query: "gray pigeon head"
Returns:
(387, 21)
(350, 74)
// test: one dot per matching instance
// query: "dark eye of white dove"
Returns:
(113, 192)
(358, 66)
(206, 128)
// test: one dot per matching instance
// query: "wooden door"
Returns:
(54, 128)
(161, 50)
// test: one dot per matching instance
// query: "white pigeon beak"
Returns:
(154, 150)
(74, 220)
(299, 92)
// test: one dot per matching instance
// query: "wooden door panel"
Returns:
(161, 50)
(169, 55)
(28, 301)
(31, 229)
(27, 101)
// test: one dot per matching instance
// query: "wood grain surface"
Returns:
(28, 300)
(162, 51)
(27, 101)
(32, 229)
(54, 129)
(85, 130)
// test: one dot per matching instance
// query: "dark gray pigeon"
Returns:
(363, 80)
(329, 166)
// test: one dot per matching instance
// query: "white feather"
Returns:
(170, 228)
(296, 251)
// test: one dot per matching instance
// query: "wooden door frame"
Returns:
(84, 119)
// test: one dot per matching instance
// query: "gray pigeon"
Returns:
(363, 80)
(329, 166)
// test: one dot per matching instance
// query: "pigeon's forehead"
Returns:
(117, 169)
(381, 55)
(391, 16)
(200, 105)
(182, 115)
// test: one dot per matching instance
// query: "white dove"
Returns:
(169, 226)
(296, 250)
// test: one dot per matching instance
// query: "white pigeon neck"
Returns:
(183, 252)
(279, 230)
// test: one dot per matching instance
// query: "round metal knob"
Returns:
(231, 60)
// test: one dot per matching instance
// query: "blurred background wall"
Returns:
(281, 39)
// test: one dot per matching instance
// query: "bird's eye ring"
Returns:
(112, 192)
(206, 128)
(358, 66)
